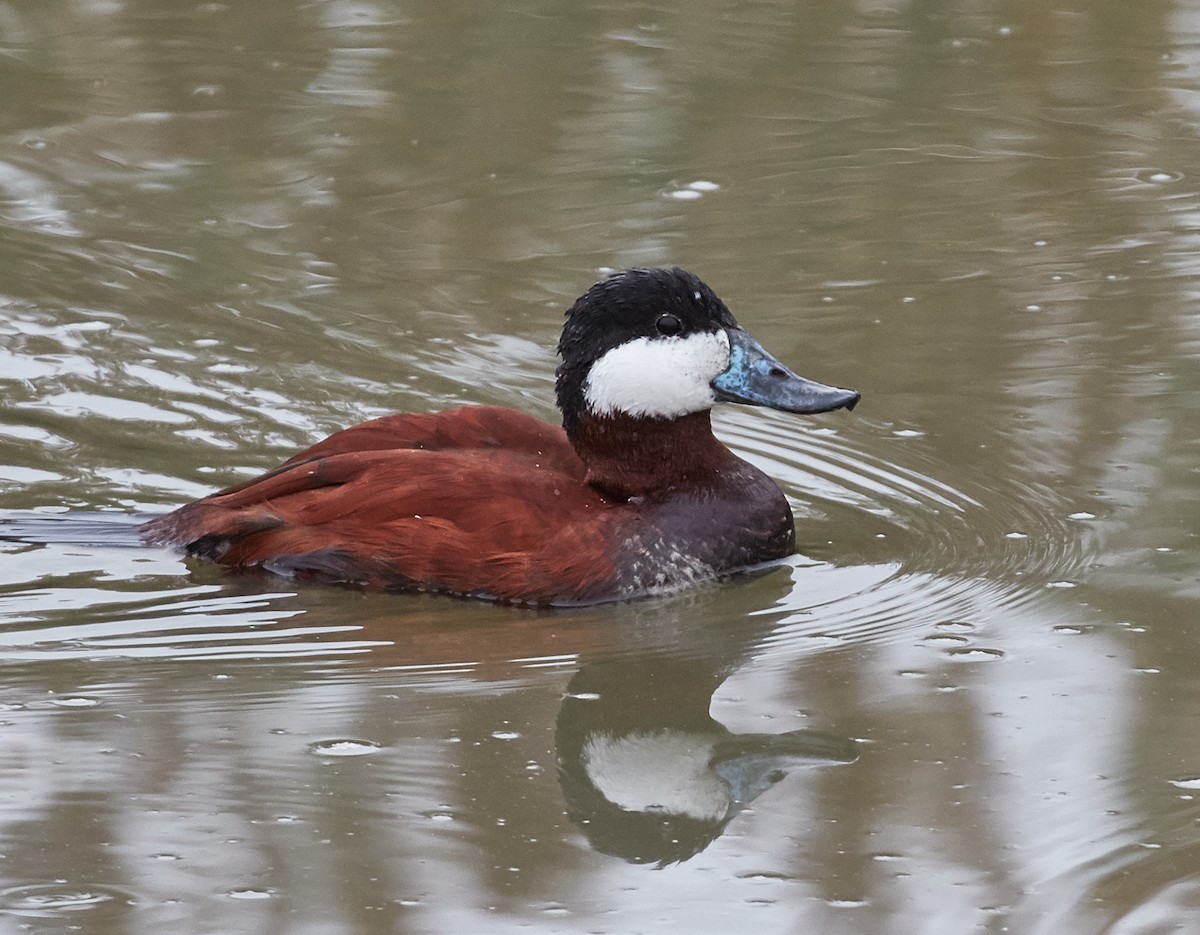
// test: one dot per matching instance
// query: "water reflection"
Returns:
(649, 775)
(231, 228)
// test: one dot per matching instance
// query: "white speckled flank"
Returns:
(658, 377)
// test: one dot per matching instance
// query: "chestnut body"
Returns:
(481, 501)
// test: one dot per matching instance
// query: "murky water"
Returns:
(968, 705)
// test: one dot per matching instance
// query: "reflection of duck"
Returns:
(635, 495)
(649, 775)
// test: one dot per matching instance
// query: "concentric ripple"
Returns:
(59, 900)
(899, 548)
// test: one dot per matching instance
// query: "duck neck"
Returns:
(628, 457)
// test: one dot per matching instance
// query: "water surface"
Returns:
(966, 705)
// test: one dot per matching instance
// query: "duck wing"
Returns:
(488, 502)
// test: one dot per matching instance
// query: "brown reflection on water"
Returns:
(228, 228)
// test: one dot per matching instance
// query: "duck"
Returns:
(631, 495)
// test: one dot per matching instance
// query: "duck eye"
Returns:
(668, 325)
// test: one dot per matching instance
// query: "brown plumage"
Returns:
(634, 495)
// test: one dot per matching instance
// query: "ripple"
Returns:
(59, 899)
(899, 548)
(932, 525)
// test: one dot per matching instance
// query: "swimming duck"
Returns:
(632, 495)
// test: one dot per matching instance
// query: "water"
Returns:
(966, 705)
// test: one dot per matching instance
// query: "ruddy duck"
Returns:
(633, 495)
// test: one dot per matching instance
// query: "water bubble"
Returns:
(685, 194)
(344, 747)
(1081, 515)
(1062, 584)
(975, 654)
(956, 626)
(1033, 308)
(1191, 782)
(1159, 176)
(1015, 535)
(75, 701)
(703, 185)
(946, 639)
(505, 734)
(908, 433)
(249, 894)
(1068, 629)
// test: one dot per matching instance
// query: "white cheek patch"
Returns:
(658, 377)
(658, 772)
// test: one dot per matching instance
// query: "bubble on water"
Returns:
(1068, 629)
(908, 433)
(1015, 535)
(685, 194)
(703, 185)
(1159, 176)
(505, 734)
(249, 894)
(1081, 515)
(75, 701)
(1033, 308)
(1062, 584)
(344, 747)
(975, 654)
(1190, 782)
(947, 639)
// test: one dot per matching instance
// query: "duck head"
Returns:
(660, 344)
